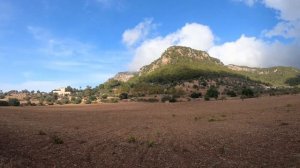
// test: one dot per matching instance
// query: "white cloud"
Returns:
(244, 51)
(289, 14)
(251, 51)
(288, 9)
(192, 35)
(139, 32)
(285, 29)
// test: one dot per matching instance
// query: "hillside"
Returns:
(184, 63)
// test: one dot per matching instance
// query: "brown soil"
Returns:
(260, 132)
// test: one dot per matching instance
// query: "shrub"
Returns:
(13, 102)
(57, 140)
(195, 95)
(169, 98)
(123, 96)
(104, 96)
(231, 93)
(77, 100)
(64, 100)
(131, 139)
(42, 132)
(247, 92)
(150, 144)
(212, 92)
(92, 98)
(3, 103)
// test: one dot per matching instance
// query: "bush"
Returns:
(123, 96)
(57, 140)
(231, 93)
(77, 100)
(3, 103)
(92, 98)
(195, 95)
(212, 92)
(13, 102)
(247, 93)
(104, 96)
(169, 98)
(88, 101)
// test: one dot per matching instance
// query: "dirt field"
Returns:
(263, 132)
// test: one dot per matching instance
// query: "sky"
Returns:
(46, 44)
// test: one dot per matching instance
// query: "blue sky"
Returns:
(45, 44)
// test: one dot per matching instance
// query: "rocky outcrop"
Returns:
(124, 76)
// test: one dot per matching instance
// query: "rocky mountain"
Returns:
(179, 63)
(177, 55)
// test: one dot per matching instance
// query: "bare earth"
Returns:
(260, 132)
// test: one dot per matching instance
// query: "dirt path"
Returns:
(263, 132)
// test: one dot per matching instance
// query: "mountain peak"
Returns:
(180, 54)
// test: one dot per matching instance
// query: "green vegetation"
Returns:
(195, 95)
(231, 93)
(131, 139)
(150, 144)
(3, 103)
(13, 102)
(212, 92)
(247, 93)
(293, 81)
(123, 96)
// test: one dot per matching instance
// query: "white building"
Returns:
(61, 91)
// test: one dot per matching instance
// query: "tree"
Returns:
(212, 92)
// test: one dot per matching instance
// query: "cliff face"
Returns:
(124, 76)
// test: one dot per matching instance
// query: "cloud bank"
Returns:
(246, 50)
